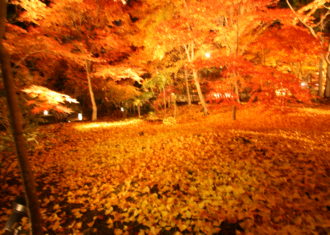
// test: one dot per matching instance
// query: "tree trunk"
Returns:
(164, 98)
(139, 110)
(321, 81)
(91, 93)
(187, 85)
(234, 112)
(327, 85)
(17, 127)
(190, 55)
(237, 91)
(199, 91)
(173, 101)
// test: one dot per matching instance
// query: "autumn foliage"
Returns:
(263, 173)
(255, 161)
(251, 41)
(45, 99)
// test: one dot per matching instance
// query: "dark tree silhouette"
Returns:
(17, 127)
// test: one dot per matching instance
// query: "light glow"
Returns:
(46, 112)
(303, 84)
(95, 125)
(228, 95)
(207, 54)
(282, 92)
(224, 95)
(44, 93)
(80, 116)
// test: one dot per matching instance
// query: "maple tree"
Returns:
(81, 42)
(180, 28)
(274, 45)
(272, 49)
(306, 16)
(234, 55)
(160, 62)
(244, 22)
(173, 35)
(228, 38)
(84, 33)
(44, 99)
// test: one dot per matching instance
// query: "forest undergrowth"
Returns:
(265, 173)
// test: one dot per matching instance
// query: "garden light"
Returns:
(303, 84)
(80, 116)
(19, 211)
(281, 92)
(228, 95)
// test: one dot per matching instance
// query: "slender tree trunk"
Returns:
(237, 91)
(200, 93)
(327, 85)
(139, 110)
(321, 81)
(175, 111)
(173, 101)
(164, 98)
(91, 93)
(190, 52)
(236, 88)
(17, 127)
(190, 55)
(234, 112)
(187, 86)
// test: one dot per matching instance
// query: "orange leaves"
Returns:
(44, 99)
(277, 42)
(33, 10)
(195, 177)
(45, 93)
(119, 73)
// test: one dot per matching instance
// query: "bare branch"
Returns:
(299, 18)
(313, 6)
(322, 19)
(186, 48)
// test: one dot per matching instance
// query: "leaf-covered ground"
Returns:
(265, 173)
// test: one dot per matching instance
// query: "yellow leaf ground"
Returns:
(265, 173)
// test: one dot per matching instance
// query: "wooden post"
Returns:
(234, 112)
